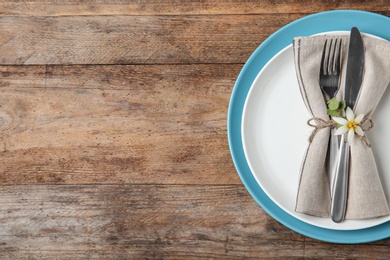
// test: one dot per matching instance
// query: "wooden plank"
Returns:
(171, 7)
(152, 221)
(139, 222)
(116, 124)
(134, 39)
(319, 250)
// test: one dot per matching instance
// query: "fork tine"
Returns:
(337, 57)
(334, 66)
(331, 57)
(331, 53)
(323, 61)
(330, 67)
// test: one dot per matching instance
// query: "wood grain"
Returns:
(113, 140)
(152, 221)
(115, 124)
(374, 250)
(134, 39)
(138, 221)
(171, 7)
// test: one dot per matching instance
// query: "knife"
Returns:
(353, 81)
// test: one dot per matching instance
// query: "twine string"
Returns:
(318, 123)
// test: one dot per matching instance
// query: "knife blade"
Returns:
(353, 81)
(355, 67)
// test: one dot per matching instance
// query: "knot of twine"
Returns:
(318, 123)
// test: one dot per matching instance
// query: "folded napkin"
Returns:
(366, 198)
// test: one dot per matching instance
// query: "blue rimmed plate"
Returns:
(341, 20)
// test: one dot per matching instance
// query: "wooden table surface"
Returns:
(113, 136)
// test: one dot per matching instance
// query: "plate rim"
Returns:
(320, 22)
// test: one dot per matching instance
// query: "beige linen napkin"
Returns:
(366, 198)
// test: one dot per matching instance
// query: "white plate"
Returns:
(275, 134)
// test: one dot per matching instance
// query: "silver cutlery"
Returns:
(329, 83)
(353, 80)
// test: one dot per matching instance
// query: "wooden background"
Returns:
(113, 140)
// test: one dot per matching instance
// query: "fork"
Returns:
(329, 83)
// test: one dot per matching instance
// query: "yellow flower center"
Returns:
(352, 124)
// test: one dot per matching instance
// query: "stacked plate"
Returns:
(268, 133)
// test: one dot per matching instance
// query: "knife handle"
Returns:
(340, 189)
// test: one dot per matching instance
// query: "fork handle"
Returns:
(339, 200)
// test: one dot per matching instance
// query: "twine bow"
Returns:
(318, 123)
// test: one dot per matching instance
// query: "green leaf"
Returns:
(332, 112)
(333, 104)
(342, 105)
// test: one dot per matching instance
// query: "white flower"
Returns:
(350, 125)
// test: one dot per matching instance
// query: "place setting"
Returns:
(307, 126)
